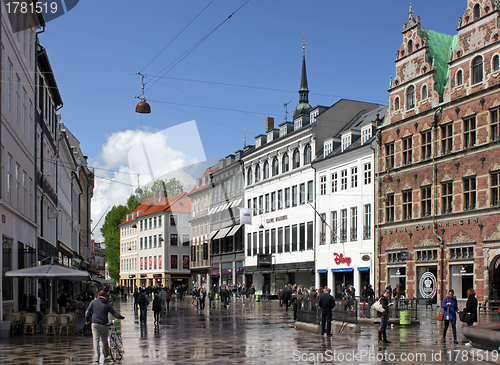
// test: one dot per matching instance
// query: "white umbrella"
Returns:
(52, 271)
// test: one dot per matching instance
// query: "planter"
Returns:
(4, 329)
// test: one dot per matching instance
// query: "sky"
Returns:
(219, 76)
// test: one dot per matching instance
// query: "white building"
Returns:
(345, 200)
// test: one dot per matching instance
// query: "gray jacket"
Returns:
(98, 309)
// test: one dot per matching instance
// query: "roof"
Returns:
(440, 46)
(179, 203)
(201, 187)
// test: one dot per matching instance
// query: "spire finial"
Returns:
(245, 139)
(411, 11)
(304, 43)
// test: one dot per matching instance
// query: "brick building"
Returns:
(439, 160)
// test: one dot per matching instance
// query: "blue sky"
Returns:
(97, 48)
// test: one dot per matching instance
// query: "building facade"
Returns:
(438, 200)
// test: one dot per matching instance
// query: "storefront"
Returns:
(342, 276)
(462, 279)
(397, 275)
(427, 283)
(158, 280)
(227, 273)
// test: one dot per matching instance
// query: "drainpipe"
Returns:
(433, 200)
(376, 242)
(316, 285)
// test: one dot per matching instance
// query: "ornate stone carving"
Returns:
(426, 242)
(395, 245)
(460, 238)
(495, 235)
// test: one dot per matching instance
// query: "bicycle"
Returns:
(115, 341)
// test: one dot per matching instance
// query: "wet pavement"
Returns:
(260, 333)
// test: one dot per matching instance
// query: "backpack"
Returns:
(142, 300)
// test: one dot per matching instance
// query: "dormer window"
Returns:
(496, 63)
(366, 134)
(297, 124)
(477, 70)
(424, 93)
(410, 97)
(459, 78)
(346, 142)
(327, 147)
(396, 103)
(410, 46)
(283, 131)
(477, 11)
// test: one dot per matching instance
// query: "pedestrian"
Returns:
(169, 299)
(97, 314)
(163, 299)
(280, 297)
(450, 309)
(211, 298)
(63, 302)
(143, 302)
(287, 295)
(326, 303)
(201, 299)
(136, 296)
(471, 306)
(194, 297)
(157, 308)
(243, 293)
(251, 294)
(313, 294)
(384, 316)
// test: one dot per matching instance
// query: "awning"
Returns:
(234, 230)
(321, 271)
(363, 269)
(236, 203)
(222, 233)
(212, 234)
(101, 280)
(304, 270)
(345, 269)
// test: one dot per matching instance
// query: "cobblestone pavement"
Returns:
(260, 333)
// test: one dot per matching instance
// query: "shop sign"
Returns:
(131, 276)
(463, 272)
(157, 275)
(398, 274)
(428, 285)
(365, 258)
(340, 259)
(144, 276)
(264, 260)
(245, 216)
(185, 262)
(277, 219)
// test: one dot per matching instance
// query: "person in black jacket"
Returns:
(97, 312)
(384, 317)
(471, 306)
(326, 303)
(287, 295)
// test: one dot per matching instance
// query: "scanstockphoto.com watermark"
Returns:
(386, 356)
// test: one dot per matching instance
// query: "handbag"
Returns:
(465, 317)
(378, 306)
(441, 315)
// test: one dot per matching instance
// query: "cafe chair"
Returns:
(50, 324)
(29, 323)
(14, 324)
(64, 324)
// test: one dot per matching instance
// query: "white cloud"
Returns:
(173, 152)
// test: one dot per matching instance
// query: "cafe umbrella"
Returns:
(52, 271)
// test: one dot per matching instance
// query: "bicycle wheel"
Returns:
(117, 349)
(112, 347)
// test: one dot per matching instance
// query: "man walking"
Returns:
(163, 300)
(287, 295)
(97, 313)
(326, 303)
(143, 301)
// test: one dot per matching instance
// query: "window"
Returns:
(154, 241)
(9, 85)
(354, 223)
(294, 237)
(343, 180)
(150, 241)
(273, 201)
(447, 138)
(426, 201)
(495, 188)
(249, 176)
(346, 142)
(367, 221)
(334, 182)
(459, 78)
(273, 240)
(495, 131)
(294, 195)
(154, 222)
(396, 104)
(310, 191)
(343, 225)
(322, 185)
(280, 199)
(7, 283)
(477, 70)
(173, 262)
(367, 167)
(496, 63)
(280, 240)
(302, 236)
(249, 244)
(424, 92)
(266, 170)
(267, 203)
(389, 155)
(285, 166)
(410, 97)
(257, 173)
(354, 177)
(322, 233)
(307, 154)
(287, 197)
(334, 227)
(174, 220)
(389, 208)
(410, 46)
(470, 132)
(185, 240)
(255, 209)
(426, 144)
(366, 134)
(407, 204)
(328, 147)
(470, 193)
(159, 221)
(310, 235)
(140, 242)
(287, 239)
(477, 11)
(302, 193)
(447, 197)
(275, 166)
(266, 245)
(254, 249)
(296, 159)
(407, 150)
(159, 240)
(261, 204)
(173, 239)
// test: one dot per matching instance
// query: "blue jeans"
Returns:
(142, 317)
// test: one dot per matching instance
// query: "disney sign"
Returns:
(340, 259)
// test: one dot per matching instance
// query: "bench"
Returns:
(488, 304)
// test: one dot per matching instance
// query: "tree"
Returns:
(170, 187)
(111, 232)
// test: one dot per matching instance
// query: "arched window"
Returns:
(296, 159)
(410, 97)
(257, 173)
(424, 92)
(307, 154)
(249, 177)
(266, 170)
(285, 163)
(459, 77)
(396, 104)
(477, 11)
(410, 46)
(275, 166)
(496, 63)
(477, 70)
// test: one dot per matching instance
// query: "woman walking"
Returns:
(450, 310)
(384, 316)
(471, 306)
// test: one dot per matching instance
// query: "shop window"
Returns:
(426, 144)
(407, 150)
(495, 188)
(469, 132)
(407, 204)
(470, 193)
(426, 201)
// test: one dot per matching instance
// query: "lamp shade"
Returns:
(143, 107)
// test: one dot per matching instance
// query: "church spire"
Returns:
(303, 107)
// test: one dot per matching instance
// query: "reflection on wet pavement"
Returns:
(260, 333)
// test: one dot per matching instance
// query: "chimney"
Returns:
(269, 123)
